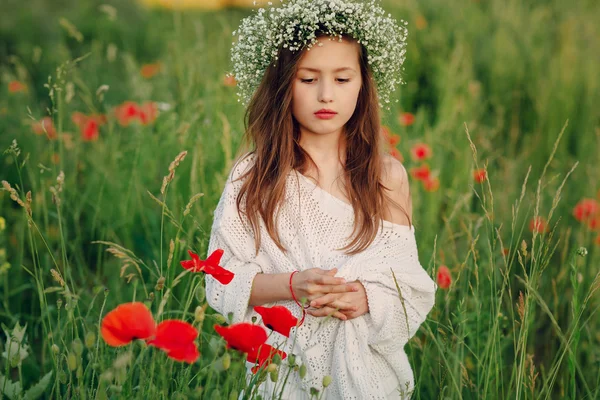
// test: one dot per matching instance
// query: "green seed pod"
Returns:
(200, 293)
(77, 347)
(226, 361)
(292, 360)
(274, 376)
(276, 359)
(219, 319)
(326, 380)
(62, 377)
(79, 373)
(314, 391)
(302, 371)
(55, 349)
(90, 339)
(72, 361)
(199, 314)
(233, 395)
(272, 367)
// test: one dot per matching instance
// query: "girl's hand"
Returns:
(315, 283)
(336, 304)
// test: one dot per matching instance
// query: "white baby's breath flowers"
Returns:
(293, 26)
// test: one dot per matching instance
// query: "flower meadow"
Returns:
(119, 125)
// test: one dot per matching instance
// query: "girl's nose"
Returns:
(325, 91)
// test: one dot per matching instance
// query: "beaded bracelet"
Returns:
(296, 300)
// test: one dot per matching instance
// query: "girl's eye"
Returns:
(311, 80)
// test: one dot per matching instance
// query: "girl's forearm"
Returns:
(268, 288)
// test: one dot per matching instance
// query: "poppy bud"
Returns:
(302, 371)
(233, 395)
(219, 318)
(226, 361)
(326, 380)
(274, 375)
(200, 293)
(292, 360)
(71, 362)
(199, 314)
(55, 349)
(62, 377)
(90, 339)
(276, 359)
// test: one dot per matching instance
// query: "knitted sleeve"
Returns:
(395, 315)
(230, 233)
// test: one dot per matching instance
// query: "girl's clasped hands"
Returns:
(330, 295)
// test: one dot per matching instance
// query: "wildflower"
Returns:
(16, 87)
(45, 126)
(149, 70)
(264, 355)
(394, 152)
(538, 225)
(243, 337)
(176, 338)
(229, 80)
(420, 22)
(209, 266)
(126, 113)
(444, 278)
(586, 209)
(126, 323)
(480, 175)
(431, 184)
(133, 321)
(594, 222)
(420, 151)
(277, 318)
(421, 173)
(90, 130)
(406, 119)
(147, 112)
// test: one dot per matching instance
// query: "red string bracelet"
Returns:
(296, 300)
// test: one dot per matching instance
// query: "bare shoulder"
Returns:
(395, 177)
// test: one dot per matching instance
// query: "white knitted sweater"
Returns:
(365, 355)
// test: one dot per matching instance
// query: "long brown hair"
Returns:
(273, 134)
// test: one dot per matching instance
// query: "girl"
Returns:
(315, 209)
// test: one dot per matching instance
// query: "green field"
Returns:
(510, 86)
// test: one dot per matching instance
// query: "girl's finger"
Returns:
(328, 311)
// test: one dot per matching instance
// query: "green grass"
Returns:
(510, 85)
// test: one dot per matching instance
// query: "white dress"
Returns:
(365, 356)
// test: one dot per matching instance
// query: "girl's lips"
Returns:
(324, 115)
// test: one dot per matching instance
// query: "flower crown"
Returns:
(293, 26)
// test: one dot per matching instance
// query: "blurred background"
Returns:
(498, 124)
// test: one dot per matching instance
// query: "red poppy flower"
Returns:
(229, 80)
(444, 278)
(505, 251)
(277, 318)
(406, 119)
(126, 323)
(243, 337)
(586, 209)
(421, 173)
(176, 338)
(209, 266)
(594, 222)
(90, 130)
(263, 355)
(147, 112)
(45, 126)
(538, 225)
(149, 70)
(394, 152)
(431, 184)
(420, 151)
(127, 112)
(480, 175)
(16, 86)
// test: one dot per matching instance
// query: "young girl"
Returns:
(316, 210)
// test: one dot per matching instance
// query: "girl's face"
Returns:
(328, 77)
